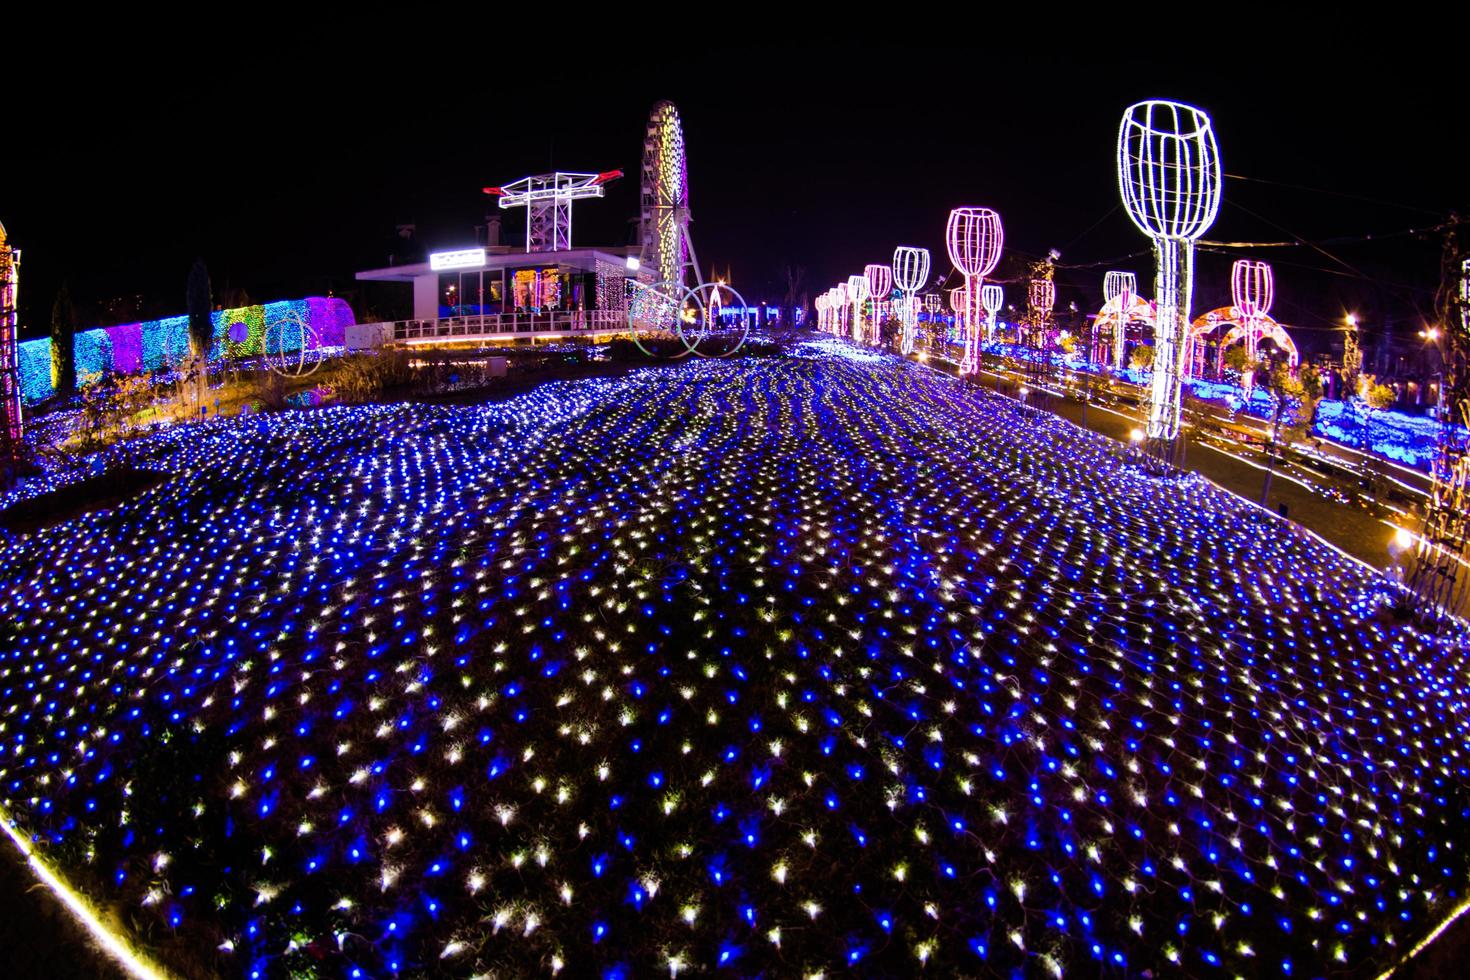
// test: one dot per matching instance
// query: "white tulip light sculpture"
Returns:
(880, 284)
(1122, 287)
(992, 297)
(1169, 176)
(910, 273)
(1252, 289)
(857, 294)
(974, 238)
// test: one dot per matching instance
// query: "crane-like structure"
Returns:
(548, 199)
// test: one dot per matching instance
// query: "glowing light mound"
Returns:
(910, 273)
(973, 238)
(1169, 178)
(1119, 288)
(992, 298)
(880, 284)
(857, 294)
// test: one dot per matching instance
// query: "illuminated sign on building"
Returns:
(465, 258)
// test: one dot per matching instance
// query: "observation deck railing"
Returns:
(510, 324)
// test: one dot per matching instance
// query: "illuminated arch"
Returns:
(1239, 327)
(1140, 316)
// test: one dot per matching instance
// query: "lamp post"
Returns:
(973, 237)
(910, 273)
(1169, 177)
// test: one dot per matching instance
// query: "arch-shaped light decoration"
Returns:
(910, 273)
(992, 298)
(973, 237)
(880, 284)
(1169, 177)
(1122, 287)
(857, 294)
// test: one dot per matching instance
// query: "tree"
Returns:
(1238, 360)
(1142, 358)
(198, 302)
(63, 342)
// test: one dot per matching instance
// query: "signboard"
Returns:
(465, 258)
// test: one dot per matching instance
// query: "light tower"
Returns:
(548, 199)
(10, 421)
(1120, 286)
(1169, 177)
(910, 273)
(880, 284)
(973, 237)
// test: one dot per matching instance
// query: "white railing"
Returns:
(472, 327)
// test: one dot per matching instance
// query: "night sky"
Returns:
(288, 180)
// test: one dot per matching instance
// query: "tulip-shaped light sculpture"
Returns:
(880, 284)
(839, 309)
(991, 298)
(1169, 177)
(974, 238)
(1252, 290)
(910, 273)
(1122, 287)
(857, 294)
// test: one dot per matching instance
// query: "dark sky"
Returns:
(289, 175)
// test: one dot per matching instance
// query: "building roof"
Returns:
(499, 257)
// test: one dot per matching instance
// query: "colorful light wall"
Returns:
(155, 344)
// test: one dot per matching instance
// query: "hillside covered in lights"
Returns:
(804, 664)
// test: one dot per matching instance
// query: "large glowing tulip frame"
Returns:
(857, 294)
(991, 298)
(1120, 286)
(839, 309)
(910, 272)
(962, 306)
(1169, 177)
(1252, 289)
(974, 238)
(880, 284)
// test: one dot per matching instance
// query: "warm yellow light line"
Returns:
(1460, 910)
(116, 947)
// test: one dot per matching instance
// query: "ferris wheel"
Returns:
(664, 224)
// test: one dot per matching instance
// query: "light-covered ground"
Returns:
(788, 665)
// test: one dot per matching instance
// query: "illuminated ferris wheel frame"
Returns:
(664, 189)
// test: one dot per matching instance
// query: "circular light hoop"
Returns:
(974, 237)
(738, 303)
(658, 308)
(292, 363)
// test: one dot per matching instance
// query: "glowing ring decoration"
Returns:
(666, 309)
(286, 362)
